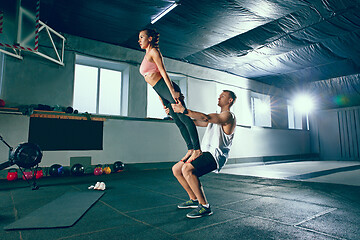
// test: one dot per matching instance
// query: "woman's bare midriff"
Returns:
(152, 78)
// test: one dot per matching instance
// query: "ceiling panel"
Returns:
(284, 43)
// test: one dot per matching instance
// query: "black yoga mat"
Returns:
(64, 211)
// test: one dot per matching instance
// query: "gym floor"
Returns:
(142, 205)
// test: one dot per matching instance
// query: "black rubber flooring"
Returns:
(142, 205)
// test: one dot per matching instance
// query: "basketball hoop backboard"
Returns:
(19, 24)
(20, 27)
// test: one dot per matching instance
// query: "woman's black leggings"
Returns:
(185, 124)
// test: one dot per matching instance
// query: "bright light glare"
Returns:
(304, 103)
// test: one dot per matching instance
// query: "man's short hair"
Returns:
(232, 95)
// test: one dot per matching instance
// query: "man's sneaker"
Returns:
(200, 211)
(189, 204)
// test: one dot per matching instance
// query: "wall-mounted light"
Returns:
(163, 13)
(304, 103)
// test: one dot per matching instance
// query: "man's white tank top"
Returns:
(218, 143)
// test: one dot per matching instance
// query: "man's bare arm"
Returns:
(200, 123)
(222, 118)
(217, 118)
(197, 122)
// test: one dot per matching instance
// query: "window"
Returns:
(85, 88)
(294, 117)
(261, 110)
(100, 86)
(110, 92)
(291, 117)
(155, 108)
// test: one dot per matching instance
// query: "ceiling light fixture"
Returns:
(163, 13)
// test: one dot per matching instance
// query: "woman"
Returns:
(153, 70)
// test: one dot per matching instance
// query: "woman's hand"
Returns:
(178, 107)
(176, 96)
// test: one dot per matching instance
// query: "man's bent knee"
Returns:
(187, 169)
(176, 169)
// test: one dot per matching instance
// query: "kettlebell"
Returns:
(39, 173)
(28, 174)
(98, 170)
(12, 175)
(106, 169)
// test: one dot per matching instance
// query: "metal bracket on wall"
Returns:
(59, 59)
(16, 53)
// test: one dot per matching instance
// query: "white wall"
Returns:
(139, 141)
(130, 141)
(336, 133)
(202, 96)
(259, 142)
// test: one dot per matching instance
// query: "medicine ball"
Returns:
(77, 169)
(98, 170)
(118, 166)
(55, 170)
(69, 110)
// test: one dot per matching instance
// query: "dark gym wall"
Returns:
(34, 80)
(137, 95)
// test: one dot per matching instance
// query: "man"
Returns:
(215, 146)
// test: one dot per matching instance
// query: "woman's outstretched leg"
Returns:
(184, 133)
(191, 128)
(185, 123)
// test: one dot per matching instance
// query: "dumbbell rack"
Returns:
(11, 162)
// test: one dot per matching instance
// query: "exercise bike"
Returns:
(25, 155)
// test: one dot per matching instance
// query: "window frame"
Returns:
(110, 65)
(262, 98)
(296, 117)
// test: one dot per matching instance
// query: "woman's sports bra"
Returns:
(147, 67)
